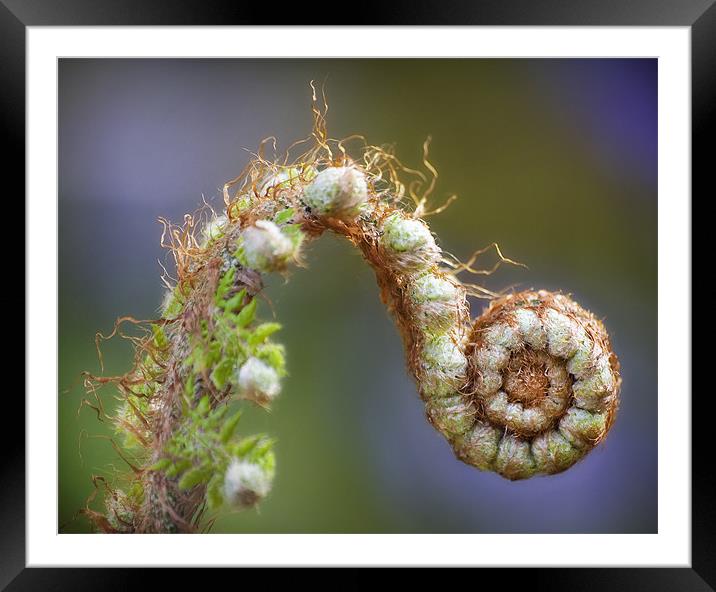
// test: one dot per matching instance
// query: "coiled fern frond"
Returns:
(528, 387)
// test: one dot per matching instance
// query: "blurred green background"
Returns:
(556, 160)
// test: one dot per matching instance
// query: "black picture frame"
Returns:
(700, 15)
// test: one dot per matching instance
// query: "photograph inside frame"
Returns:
(358, 296)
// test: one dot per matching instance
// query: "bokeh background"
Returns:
(556, 160)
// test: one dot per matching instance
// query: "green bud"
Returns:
(479, 446)
(245, 484)
(258, 381)
(408, 243)
(514, 458)
(443, 366)
(338, 192)
(452, 416)
(266, 248)
(437, 301)
(554, 453)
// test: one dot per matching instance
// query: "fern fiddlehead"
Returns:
(528, 387)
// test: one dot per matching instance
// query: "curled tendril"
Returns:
(528, 387)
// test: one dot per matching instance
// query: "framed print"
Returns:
(250, 245)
